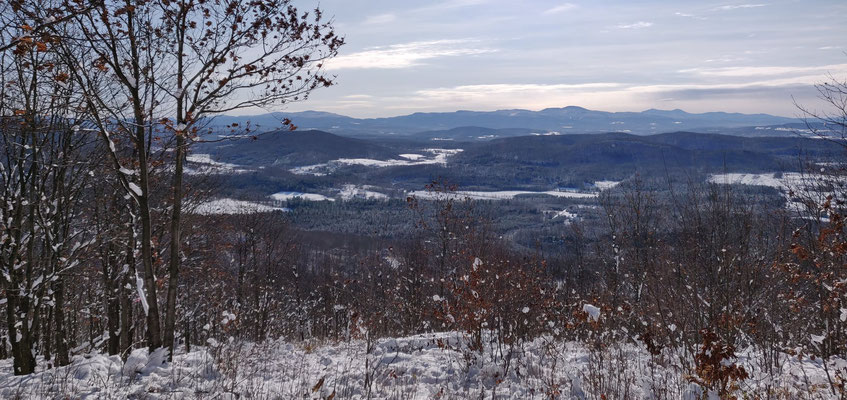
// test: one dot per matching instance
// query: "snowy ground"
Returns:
(500, 194)
(203, 164)
(232, 206)
(417, 367)
(436, 156)
(813, 187)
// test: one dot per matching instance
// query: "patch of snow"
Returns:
(567, 215)
(232, 206)
(768, 180)
(285, 196)
(438, 156)
(605, 185)
(139, 286)
(592, 311)
(205, 165)
(135, 189)
(349, 192)
(416, 367)
(498, 195)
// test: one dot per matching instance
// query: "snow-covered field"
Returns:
(431, 366)
(232, 206)
(436, 156)
(203, 164)
(785, 181)
(349, 192)
(285, 196)
(501, 194)
(769, 180)
(808, 186)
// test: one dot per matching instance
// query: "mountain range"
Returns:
(486, 125)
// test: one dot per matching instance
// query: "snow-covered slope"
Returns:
(417, 367)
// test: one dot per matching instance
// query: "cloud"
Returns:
(560, 9)
(406, 55)
(737, 6)
(751, 95)
(601, 95)
(730, 72)
(687, 15)
(637, 25)
(481, 91)
(446, 5)
(380, 19)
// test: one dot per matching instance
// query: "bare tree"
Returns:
(226, 57)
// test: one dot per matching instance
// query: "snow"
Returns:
(349, 192)
(139, 286)
(592, 311)
(768, 180)
(285, 196)
(567, 215)
(416, 367)
(135, 189)
(205, 165)
(605, 185)
(550, 133)
(437, 156)
(810, 185)
(232, 206)
(499, 194)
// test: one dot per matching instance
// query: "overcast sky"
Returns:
(408, 56)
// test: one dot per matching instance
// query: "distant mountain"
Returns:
(467, 125)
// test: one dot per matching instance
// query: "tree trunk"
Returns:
(62, 356)
(126, 296)
(173, 265)
(23, 361)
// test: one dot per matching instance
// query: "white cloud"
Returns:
(560, 8)
(405, 55)
(446, 5)
(380, 19)
(509, 89)
(738, 6)
(637, 25)
(820, 70)
(599, 95)
(687, 15)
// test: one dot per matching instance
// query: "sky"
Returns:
(414, 56)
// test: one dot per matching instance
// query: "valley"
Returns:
(535, 184)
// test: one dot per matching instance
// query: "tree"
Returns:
(43, 171)
(230, 56)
